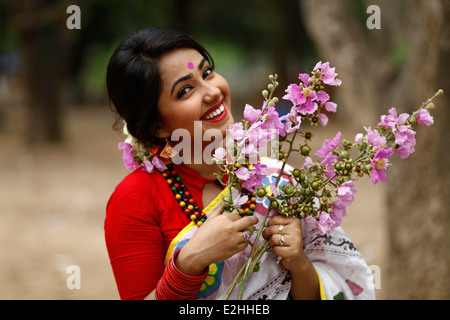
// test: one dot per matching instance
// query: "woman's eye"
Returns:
(207, 72)
(184, 91)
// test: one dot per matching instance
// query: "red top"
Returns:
(142, 218)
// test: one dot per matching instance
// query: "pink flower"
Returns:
(159, 164)
(359, 138)
(242, 173)
(272, 121)
(329, 74)
(339, 212)
(128, 156)
(149, 166)
(237, 198)
(322, 97)
(424, 118)
(237, 131)
(305, 78)
(375, 138)
(252, 178)
(302, 98)
(156, 163)
(380, 163)
(323, 119)
(251, 114)
(405, 141)
(292, 121)
(329, 145)
(328, 162)
(294, 94)
(274, 189)
(392, 120)
(330, 106)
(308, 162)
(325, 224)
(325, 152)
(346, 192)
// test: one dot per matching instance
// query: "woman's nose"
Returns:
(212, 94)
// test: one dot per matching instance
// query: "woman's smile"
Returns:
(216, 113)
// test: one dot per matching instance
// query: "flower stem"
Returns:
(440, 92)
(256, 249)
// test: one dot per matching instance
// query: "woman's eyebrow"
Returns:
(190, 75)
(200, 66)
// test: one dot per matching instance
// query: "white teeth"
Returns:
(215, 113)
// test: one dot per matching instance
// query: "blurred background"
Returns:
(59, 161)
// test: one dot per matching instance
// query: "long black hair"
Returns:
(133, 80)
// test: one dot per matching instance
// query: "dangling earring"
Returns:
(168, 151)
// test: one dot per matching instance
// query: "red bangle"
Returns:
(175, 285)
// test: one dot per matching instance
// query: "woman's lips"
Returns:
(215, 113)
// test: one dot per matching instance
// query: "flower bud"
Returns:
(270, 87)
(274, 204)
(315, 185)
(305, 150)
(430, 106)
(261, 192)
(288, 188)
(265, 93)
(345, 154)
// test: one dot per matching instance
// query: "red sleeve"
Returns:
(139, 227)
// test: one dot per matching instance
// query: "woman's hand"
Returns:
(286, 239)
(220, 237)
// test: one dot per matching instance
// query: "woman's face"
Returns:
(192, 91)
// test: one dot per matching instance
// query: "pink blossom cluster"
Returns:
(326, 223)
(402, 139)
(308, 97)
(129, 160)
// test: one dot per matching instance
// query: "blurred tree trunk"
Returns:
(400, 65)
(44, 48)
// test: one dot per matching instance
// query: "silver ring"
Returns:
(280, 229)
(282, 240)
(245, 235)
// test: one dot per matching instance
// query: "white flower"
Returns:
(220, 154)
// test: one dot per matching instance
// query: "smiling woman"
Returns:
(159, 81)
(162, 82)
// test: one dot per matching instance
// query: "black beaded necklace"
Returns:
(187, 202)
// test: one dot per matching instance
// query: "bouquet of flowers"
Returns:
(322, 188)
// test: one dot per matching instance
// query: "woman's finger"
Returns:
(280, 220)
(274, 229)
(246, 222)
(217, 211)
(280, 240)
